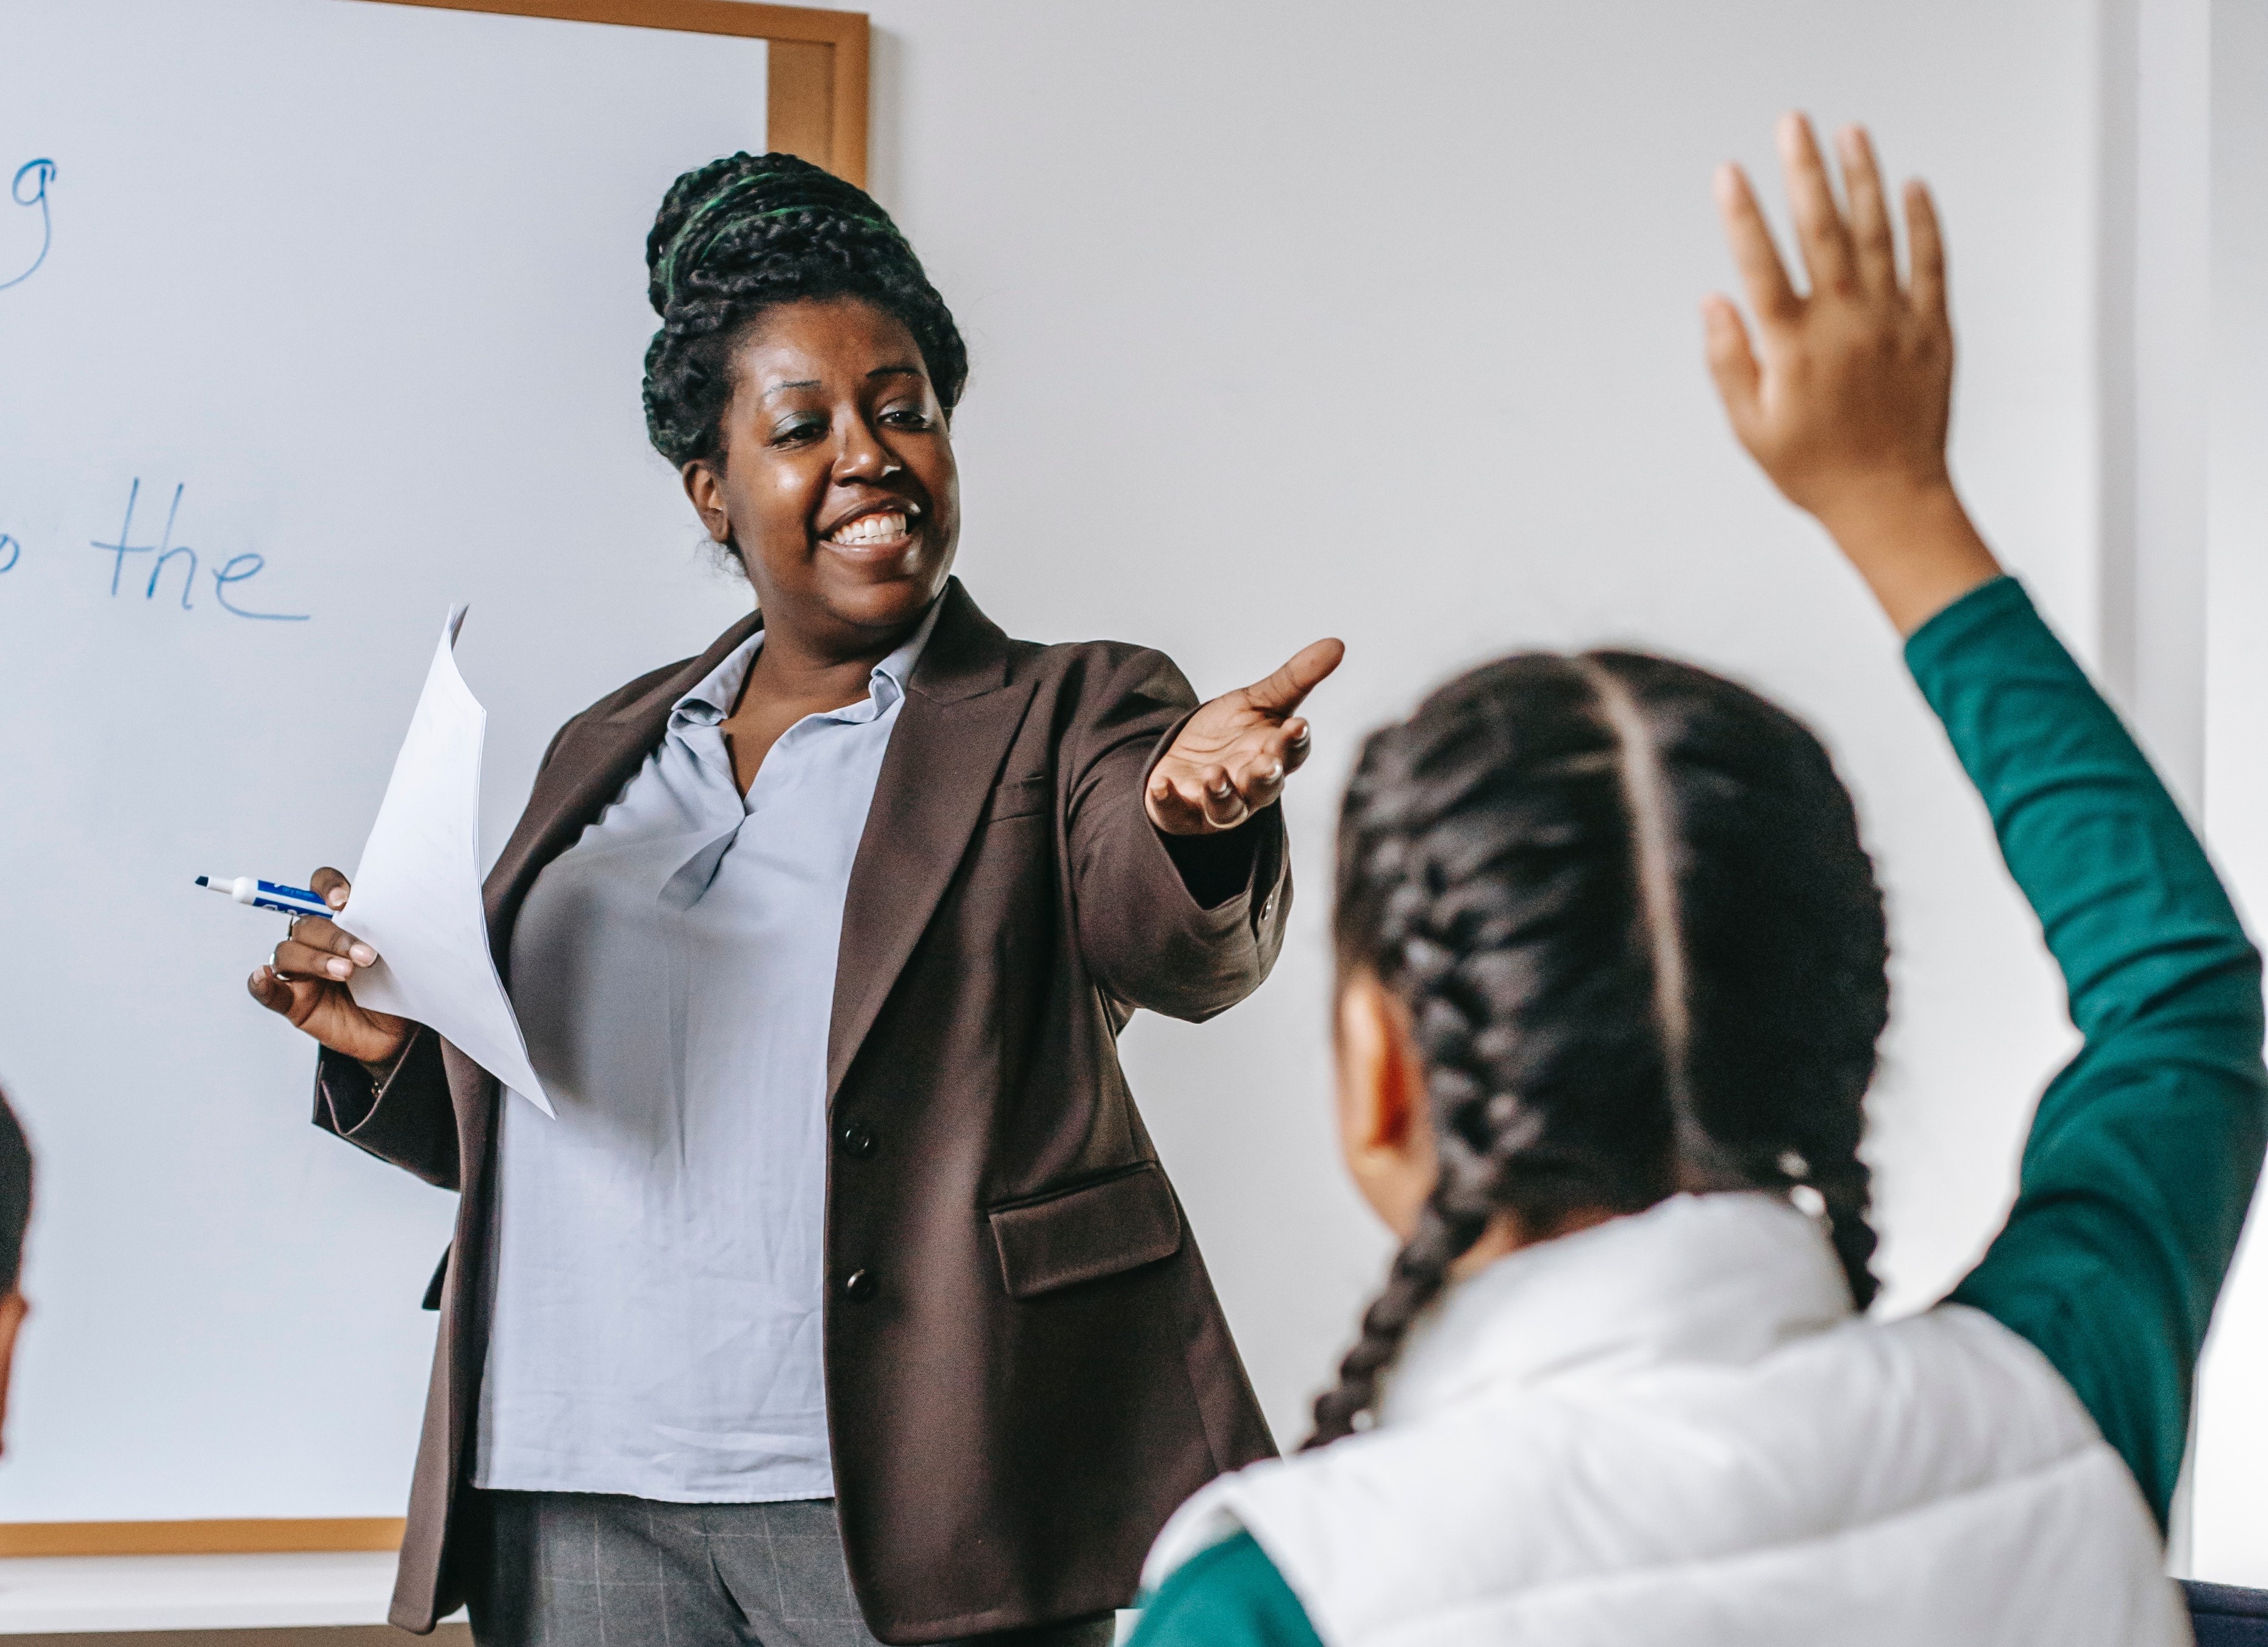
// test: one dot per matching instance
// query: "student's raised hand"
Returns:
(1845, 394)
(305, 980)
(1233, 756)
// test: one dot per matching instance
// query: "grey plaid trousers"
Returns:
(597, 1569)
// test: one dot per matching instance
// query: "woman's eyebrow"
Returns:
(899, 371)
(800, 383)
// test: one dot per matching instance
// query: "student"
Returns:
(15, 1218)
(1611, 974)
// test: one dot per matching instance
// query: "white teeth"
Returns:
(869, 529)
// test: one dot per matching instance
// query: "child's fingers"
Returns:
(1925, 245)
(1871, 241)
(1761, 274)
(1819, 231)
(1731, 361)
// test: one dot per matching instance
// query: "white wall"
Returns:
(2230, 1458)
(1381, 321)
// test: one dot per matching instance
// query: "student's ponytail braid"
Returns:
(1641, 948)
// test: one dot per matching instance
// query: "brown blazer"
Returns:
(1026, 1369)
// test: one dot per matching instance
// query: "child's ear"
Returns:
(1384, 1131)
(13, 1312)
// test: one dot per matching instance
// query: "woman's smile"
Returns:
(875, 532)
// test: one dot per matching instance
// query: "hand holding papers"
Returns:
(416, 897)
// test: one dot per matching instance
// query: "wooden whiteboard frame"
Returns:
(814, 106)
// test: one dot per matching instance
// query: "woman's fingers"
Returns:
(271, 991)
(1199, 801)
(316, 932)
(1925, 248)
(305, 979)
(1174, 807)
(298, 1000)
(1301, 673)
(293, 959)
(1224, 806)
(1196, 803)
(1196, 792)
(1763, 276)
(1871, 241)
(1819, 231)
(1297, 743)
(1260, 772)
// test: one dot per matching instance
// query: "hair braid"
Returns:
(1642, 949)
(1463, 1198)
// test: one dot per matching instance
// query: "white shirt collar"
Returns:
(712, 699)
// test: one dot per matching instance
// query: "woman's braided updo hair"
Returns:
(744, 234)
(1642, 949)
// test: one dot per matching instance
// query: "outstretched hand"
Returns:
(1845, 396)
(1233, 756)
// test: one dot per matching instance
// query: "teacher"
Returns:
(845, 1293)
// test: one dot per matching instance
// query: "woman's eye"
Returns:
(906, 416)
(794, 429)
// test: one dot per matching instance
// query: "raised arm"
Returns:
(2142, 1157)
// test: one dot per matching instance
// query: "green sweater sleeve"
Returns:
(2142, 1156)
(1230, 1595)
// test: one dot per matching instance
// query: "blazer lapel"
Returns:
(596, 756)
(962, 711)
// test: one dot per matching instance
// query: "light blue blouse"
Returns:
(659, 1245)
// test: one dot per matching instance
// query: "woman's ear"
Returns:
(706, 489)
(1385, 1131)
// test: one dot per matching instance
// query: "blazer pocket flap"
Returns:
(1083, 1234)
(1022, 797)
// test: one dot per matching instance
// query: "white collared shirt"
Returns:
(659, 1247)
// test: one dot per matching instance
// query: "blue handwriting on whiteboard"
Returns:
(12, 550)
(34, 176)
(237, 569)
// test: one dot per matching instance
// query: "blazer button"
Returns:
(857, 1141)
(858, 1286)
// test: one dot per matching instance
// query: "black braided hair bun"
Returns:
(744, 234)
(1642, 948)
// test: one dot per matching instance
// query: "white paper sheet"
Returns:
(416, 897)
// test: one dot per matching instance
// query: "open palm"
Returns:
(1233, 756)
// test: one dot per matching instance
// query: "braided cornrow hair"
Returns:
(744, 234)
(1642, 949)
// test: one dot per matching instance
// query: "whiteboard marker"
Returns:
(288, 900)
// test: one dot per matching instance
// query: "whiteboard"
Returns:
(345, 304)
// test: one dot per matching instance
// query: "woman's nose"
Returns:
(862, 454)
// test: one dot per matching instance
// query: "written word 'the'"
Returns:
(231, 575)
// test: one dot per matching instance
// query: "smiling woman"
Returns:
(845, 1297)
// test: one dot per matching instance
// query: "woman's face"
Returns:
(837, 481)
